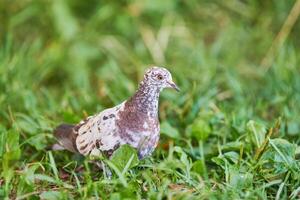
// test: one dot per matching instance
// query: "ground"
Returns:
(231, 133)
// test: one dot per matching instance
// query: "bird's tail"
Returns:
(66, 138)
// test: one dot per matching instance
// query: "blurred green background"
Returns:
(63, 60)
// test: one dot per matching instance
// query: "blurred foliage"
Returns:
(62, 60)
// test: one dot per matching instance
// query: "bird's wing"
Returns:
(98, 131)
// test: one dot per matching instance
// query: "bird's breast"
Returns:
(136, 127)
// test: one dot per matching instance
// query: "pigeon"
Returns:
(134, 122)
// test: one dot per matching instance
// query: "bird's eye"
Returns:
(160, 77)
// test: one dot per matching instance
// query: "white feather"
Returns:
(96, 129)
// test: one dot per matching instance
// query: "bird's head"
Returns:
(159, 77)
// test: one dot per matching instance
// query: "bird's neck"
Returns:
(146, 99)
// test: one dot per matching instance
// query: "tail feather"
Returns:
(66, 137)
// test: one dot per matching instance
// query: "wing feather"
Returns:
(98, 131)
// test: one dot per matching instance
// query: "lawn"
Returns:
(231, 133)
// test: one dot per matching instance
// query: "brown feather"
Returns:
(66, 136)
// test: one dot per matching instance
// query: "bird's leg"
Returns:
(103, 167)
(106, 170)
(97, 159)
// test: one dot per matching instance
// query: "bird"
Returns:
(134, 122)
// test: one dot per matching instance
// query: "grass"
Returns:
(232, 132)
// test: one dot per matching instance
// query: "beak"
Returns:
(173, 85)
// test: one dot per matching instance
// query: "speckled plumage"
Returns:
(134, 122)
